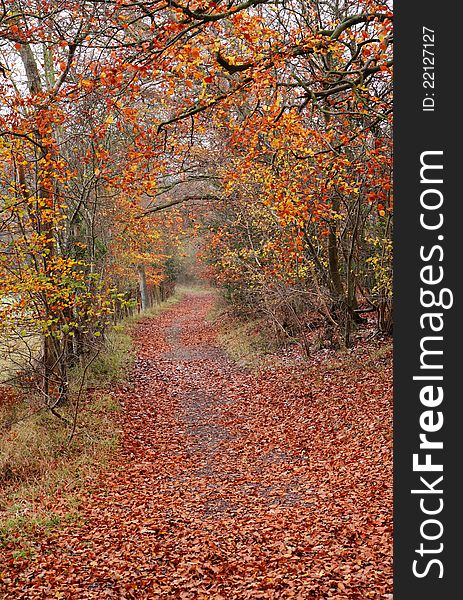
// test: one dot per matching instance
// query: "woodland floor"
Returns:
(230, 483)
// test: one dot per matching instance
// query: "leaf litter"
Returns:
(229, 483)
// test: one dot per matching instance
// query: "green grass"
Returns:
(112, 365)
(22, 531)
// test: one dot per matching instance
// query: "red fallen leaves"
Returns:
(230, 484)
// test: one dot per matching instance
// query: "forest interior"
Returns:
(196, 299)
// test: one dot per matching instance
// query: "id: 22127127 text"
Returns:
(428, 67)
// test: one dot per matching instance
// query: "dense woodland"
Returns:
(261, 127)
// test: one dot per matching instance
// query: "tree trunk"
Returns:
(143, 287)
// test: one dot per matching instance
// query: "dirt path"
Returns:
(230, 484)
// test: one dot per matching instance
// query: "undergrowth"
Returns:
(245, 341)
(39, 461)
(251, 343)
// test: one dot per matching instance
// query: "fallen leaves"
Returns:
(229, 484)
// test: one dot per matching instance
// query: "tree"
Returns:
(112, 113)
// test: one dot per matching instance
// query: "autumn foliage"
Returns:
(261, 128)
(113, 112)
